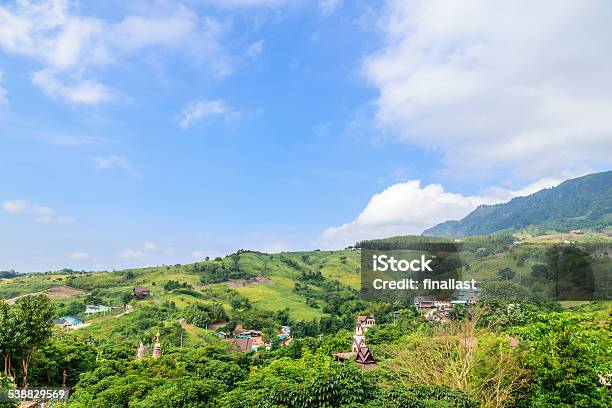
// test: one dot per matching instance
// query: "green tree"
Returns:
(33, 327)
(566, 354)
(8, 342)
(505, 273)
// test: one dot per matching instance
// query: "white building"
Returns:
(92, 309)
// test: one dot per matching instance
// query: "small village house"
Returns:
(241, 343)
(366, 321)
(68, 322)
(424, 303)
(141, 292)
(93, 309)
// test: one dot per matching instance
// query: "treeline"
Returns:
(413, 242)
(494, 243)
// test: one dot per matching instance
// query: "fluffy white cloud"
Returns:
(515, 85)
(114, 162)
(78, 91)
(408, 208)
(40, 213)
(14, 206)
(71, 46)
(328, 7)
(201, 109)
(79, 256)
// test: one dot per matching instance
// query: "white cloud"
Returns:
(201, 109)
(328, 7)
(149, 246)
(253, 51)
(518, 85)
(407, 208)
(3, 93)
(40, 213)
(114, 162)
(131, 254)
(72, 46)
(14, 206)
(79, 256)
(170, 251)
(79, 91)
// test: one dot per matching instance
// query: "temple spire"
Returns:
(157, 346)
(141, 351)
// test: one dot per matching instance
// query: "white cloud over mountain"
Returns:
(408, 208)
(515, 85)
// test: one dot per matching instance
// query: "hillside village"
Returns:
(301, 308)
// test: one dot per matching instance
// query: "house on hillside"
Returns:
(242, 344)
(141, 292)
(93, 309)
(365, 321)
(68, 322)
(73, 320)
(444, 306)
(60, 322)
(424, 303)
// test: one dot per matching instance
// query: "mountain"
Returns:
(583, 202)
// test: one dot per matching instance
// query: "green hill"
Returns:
(580, 203)
(255, 289)
(266, 280)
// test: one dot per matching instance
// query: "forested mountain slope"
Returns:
(583, 202)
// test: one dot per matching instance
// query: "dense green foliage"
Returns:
(520, 349)
(567, 353)
(201, 315)
(24, 328)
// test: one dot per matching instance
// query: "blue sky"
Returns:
(162, 132)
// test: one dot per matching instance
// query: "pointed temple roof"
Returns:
(365, 357)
